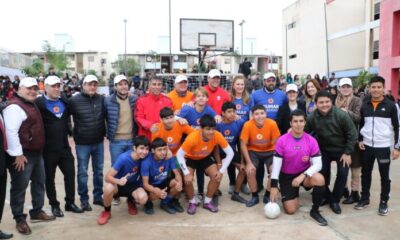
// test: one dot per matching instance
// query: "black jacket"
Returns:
(56, 129)
(89, 118)
(284, 114)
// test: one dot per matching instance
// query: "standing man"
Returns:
(26, 138)
(379, 122)
(147, 113)
(87, 109)
(245, 67)
(216, 95)
(57, 152)
(180, 96)
(336, 136)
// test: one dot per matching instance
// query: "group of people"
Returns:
(159, 142)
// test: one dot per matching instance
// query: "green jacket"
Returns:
(335, 131)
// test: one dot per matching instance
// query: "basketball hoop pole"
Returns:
(201, 58)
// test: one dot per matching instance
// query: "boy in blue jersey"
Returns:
(124, 178)
(231, 128)
(155, 170)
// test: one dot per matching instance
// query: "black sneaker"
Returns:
(237, 198)
(318, 217)
(266, 198)
(167, 207)
(148, 208)
(383, 208)
(253, 201)
(177, 205)
(361, 204)
(57, 212)
(86, 207)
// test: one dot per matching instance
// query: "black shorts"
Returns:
(236, 157)
(260, 158)
(200, 164)
(127, 189)
(289, 192)
(164, 184)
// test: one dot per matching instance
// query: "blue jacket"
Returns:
(111, 107)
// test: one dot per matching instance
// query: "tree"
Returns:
(132, 66)
(35, 69)
(363, 78)
(57, 59)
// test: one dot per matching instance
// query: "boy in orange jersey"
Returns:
(257, 143)
(195, 153)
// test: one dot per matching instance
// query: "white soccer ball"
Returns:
(272, 210)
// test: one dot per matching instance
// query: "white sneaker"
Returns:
(245, 189)
(116, 201)
(231, 189)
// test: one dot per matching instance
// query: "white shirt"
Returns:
(13, 116)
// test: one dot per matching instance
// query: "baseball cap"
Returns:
(90, 78)
(180, 78)
(28, 82)
(214, 73)
(292, 87)
(269, 75)
(51, 80)
(345, 81)
(119, 78)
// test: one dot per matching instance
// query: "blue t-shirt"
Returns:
(231, 131)
(157, 171)
(310, 107)
(55, 107)
(193, 117)
(243, 110)
(126, 165)
(271, 101)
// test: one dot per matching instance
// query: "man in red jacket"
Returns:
(148, 107)
(216, 95)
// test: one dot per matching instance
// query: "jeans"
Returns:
(83, 153)
(117, 147)
(341, 176)
(34, 172)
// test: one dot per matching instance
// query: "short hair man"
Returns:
(216, 95)
(180, 96)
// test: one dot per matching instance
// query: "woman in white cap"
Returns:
(351, 104)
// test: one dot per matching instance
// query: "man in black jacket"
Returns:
(87, 109)
(57, 152)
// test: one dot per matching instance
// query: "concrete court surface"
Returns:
(233, 221)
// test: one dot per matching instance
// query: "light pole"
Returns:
(171, 68)
(125, 70)
(241, 38)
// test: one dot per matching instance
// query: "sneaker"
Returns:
(253, 201)
(132, 209)
(210, 206)
(266, 198)
(383, 208)
(177, 205)
(318, 217)
(231, 188)
(245, 189)
(56, 211)
(148, 208)
(167, 207)
(99, 202)
(191, 208)
(116, 201)
(86, 207)
(42, 217)
(237, 198)
(361, 204)
(103, 218)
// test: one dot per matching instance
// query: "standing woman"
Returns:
(311, 89)
(351, 104)
(240, 97)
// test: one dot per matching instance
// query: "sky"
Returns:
(99, 25)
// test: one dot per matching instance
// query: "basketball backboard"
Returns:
(215, 35)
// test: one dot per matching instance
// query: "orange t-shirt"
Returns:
(260, 139)
(172, 137)
(179, 102)
(375, 103)
(196, 148)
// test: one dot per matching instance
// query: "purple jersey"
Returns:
(296, 153)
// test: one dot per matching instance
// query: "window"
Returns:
(291, 25)
(103, 61)
(90, 58)
(377, 9)
(375, 50)
(292, 56)
(227, 61)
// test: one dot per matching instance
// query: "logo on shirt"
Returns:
(238, 106)
(383, 109)
(170, 139)
(198, 121)
(204, 148)
(259, 136)
(305, 158)
(161, 169)
(270, 100)
(135, 169)
(218, 98)
(56, 109)
(296, 148)
(227, 132)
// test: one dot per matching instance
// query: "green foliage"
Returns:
(132, 66)
(363, 78)
(57, 59)
(35, 69)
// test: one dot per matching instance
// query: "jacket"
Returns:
(284, 114)
(89, 118)
(377, 126)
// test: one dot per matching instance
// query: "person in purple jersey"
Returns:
(124, 178)
(297, 162)
(155, 170)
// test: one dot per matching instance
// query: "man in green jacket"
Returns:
(336, 135)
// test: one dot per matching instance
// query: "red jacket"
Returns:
(216, 98)
(148, 112)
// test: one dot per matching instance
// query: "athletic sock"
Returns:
(193, 200)
(254, 194)
(107, 209)
(317, 196)
(207, 200)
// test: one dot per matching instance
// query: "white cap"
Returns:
(269, 75)
(28, 82)
(90, 78)
(180, 78)
(292, 87)
(51, 80)
(214, 73)
(119, 78)
(345, 81)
